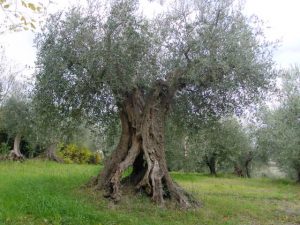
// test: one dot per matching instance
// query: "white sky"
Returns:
(281, 16)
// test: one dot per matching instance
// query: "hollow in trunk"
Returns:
(141, 147)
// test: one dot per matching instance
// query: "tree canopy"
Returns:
(214, 56)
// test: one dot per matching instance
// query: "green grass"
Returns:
(40, 193)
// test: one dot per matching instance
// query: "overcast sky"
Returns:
(281, 16)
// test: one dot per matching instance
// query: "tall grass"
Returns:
(37, 192)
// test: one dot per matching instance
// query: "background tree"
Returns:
(178, 147)
(222, 144)
(279, 135)
(16, 121)
(219, 145)
(51, 128)
(245, 153)
(206, 56)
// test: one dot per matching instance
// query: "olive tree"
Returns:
(16, 121)
(222, 144)
(204, 58)
(279, 134)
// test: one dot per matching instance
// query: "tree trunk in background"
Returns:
(212, 168)
(247, 169)
(141, 147)
(16, 154)
(238, 171)
(247, 164)
(211, 163)
(298, 177)
(51, 153)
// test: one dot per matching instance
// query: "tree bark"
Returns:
(51, 153)
(15, 153)
(141, 146)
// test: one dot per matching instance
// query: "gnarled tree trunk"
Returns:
(51, 153)
(141, 147)
(15, 153)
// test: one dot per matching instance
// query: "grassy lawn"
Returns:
(40, 193)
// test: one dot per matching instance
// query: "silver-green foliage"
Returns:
(226, 141)
(15, 116)
(90, 59)
(279, 135)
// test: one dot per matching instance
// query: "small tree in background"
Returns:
(16, 121)
(222, 144)
(279, 135)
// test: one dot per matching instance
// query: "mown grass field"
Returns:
(43, 193)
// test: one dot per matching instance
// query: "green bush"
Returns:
(4, 149)
(73, 153)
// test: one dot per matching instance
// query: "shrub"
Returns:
(73, 153)
(4, 149)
